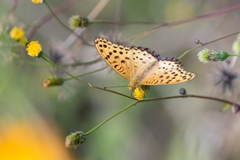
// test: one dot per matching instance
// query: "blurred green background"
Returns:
(35, 120)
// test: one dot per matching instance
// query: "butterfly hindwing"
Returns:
(167, 72)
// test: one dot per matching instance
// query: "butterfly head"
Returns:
(132, 86)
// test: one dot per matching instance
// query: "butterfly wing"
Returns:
(142, 57)
(117, 56)
(167, 71)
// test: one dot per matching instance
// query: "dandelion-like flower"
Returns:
(34, 48)
(17, 33)
(226, 80)
(77, 21)
(207, 55)
(37, 1)
(138, 93)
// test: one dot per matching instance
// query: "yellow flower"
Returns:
(138, 93)
(34, 48)
(37, 1)
(16, 33)
(23, 41)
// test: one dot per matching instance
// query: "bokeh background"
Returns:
(34, 120)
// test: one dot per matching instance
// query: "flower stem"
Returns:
(125, 22)
(83, 63)
(203, 44)
(190, 50)
(64, 26)
(174, 23)
(87, 73)
(234, 55)
(85, 83)
(122, 110)
(190, 96)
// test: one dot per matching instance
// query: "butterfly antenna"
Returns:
(113, 87)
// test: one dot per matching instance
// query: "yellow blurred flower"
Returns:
(34, 48)
(37, 1)
(35, 140)
(16, 33)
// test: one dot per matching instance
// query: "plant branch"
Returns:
(48, 17)
(216, 13)
(122, 110)
(64, 26)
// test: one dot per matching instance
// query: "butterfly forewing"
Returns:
(117, 56)
(167, 72)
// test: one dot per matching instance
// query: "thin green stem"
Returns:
(204, 44)
(64, 26)
(85, 83)
(125, 22)
(75, 64)
(122, 110)
(84, 74)
(162, 98)
(188, 51)
(190, 96)
(234, 55)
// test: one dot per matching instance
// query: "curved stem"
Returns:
(190, 96)
(49, 16)
(122, 110)
(203, 44)
(64, 26)
(125, 22)
(216, 13)
(85, 83)
(82, 63)
(190, 50)
(84, 74)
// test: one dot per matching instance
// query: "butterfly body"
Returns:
(141, 66)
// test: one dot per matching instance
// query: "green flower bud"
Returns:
(207, 55)
(75, 139)
(53, 81)
(77, 21)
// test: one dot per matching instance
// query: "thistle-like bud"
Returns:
(53, 81)
(77, 21)
(207, 55)
(183, 91)
(75, 139)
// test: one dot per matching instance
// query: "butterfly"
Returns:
(141, 66)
